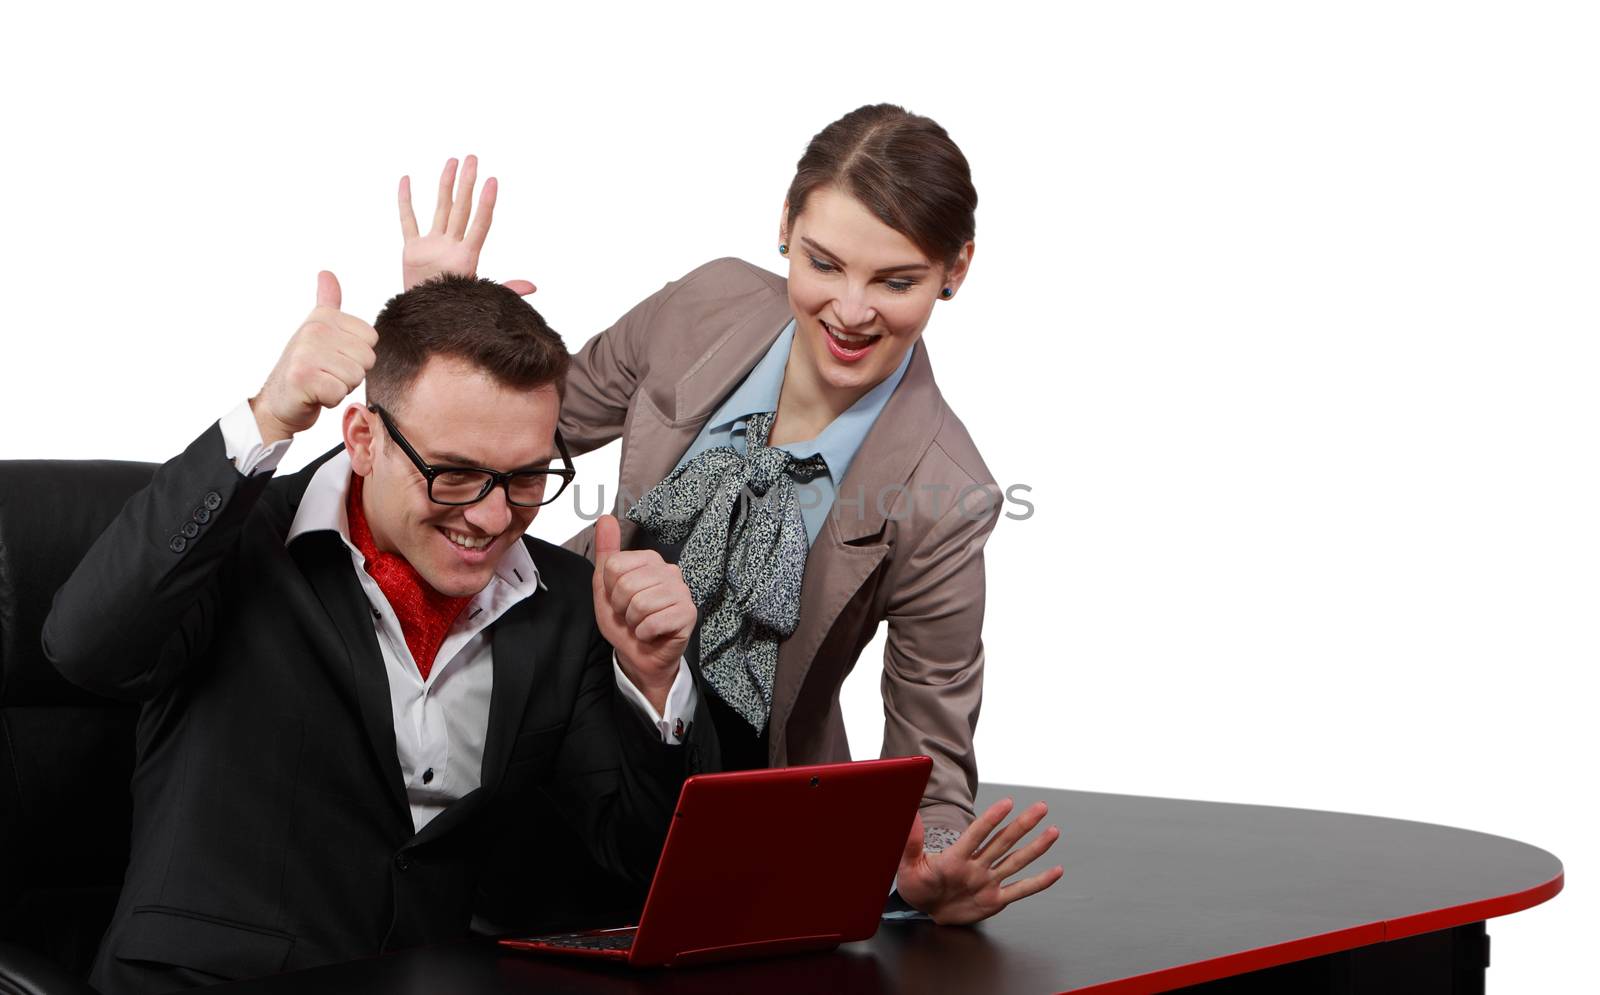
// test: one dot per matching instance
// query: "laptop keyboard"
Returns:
(620, 940)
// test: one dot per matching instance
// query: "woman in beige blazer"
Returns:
(877, 228)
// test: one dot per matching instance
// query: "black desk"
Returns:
(1158, 894)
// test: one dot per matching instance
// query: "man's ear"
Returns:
(360, 436)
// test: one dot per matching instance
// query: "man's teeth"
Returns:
(467, 541)
(852, 341)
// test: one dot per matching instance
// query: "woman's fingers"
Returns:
(441, 209)
(408, 220)
(969, 842)
(479, 229)
(995, 848)
(1029, 886)
(1021, 857)
(461, 208)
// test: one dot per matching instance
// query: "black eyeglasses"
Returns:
(457, 485)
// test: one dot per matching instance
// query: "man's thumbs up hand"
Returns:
(325, 360)
(644, 610)
(328, 290)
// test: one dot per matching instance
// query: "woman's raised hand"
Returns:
(456, 238)
(966, 882)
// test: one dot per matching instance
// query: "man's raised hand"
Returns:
(643, 608)
(455, 239)
(325, 360)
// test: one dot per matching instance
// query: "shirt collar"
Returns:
(322, 509)
(837, 444)
(840, 441)
(761, 386)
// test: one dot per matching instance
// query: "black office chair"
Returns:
(66, 756)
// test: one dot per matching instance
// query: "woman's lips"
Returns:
(842, 352)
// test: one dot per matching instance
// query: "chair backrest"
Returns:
(66, 756)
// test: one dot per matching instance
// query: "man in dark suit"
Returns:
(350, 672)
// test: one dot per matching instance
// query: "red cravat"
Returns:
(425, 614)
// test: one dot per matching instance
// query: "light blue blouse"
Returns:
(837, 444)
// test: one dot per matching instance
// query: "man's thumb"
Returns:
(607, 536)
(607, 540)
(328, 290)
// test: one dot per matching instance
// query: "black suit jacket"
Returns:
(271, 829)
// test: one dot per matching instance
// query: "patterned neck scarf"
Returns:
(425, 614)
(743, 558)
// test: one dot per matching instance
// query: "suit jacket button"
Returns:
(402, 862)
(202, 514)
(190, 530)
(213, 500)
(177, 544)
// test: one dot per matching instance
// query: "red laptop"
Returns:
(764, 862)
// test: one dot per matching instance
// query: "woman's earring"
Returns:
(783, 249)
(947, 293)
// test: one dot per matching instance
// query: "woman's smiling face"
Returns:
(861, 292)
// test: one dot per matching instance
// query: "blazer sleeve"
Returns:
(604, 374)
(140, 606)
(933, 660)
(615, 778)
(601, 381)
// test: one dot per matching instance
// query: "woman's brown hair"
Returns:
(903, 167)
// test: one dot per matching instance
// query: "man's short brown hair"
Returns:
(468, 318)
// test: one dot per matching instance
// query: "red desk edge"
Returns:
(1246, 961)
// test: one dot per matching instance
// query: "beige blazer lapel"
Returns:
(654, 439)
(850, 546)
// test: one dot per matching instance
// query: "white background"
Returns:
(1286, 314)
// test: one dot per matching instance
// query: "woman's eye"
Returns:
(820, 266)
(900, 286)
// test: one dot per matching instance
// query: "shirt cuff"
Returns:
(681, 702)
(937, 838)
(241, 439)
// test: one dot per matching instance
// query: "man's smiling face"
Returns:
(453, 413)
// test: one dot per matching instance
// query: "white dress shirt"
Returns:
(439, 721)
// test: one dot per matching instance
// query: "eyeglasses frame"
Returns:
(497, 478)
